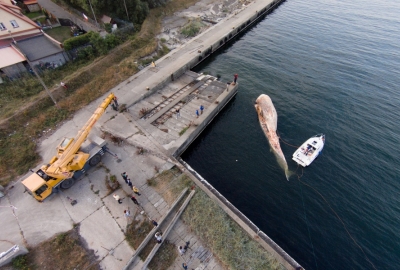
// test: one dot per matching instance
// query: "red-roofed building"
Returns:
(13, 22)
(32, 5)
(37, 46)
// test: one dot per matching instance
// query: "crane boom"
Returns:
(59, 167)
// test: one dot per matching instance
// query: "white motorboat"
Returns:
(309, 150)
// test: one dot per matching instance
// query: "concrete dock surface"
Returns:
(150, 123)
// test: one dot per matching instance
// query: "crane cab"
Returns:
(39, 185)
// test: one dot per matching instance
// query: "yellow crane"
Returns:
(74, 157)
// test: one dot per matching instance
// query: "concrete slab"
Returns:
(118, 257)
(101, 232)
(162, 208)
(172, 131)
(159, 202)
(39, 221)
(88, 201)
(155, 199)
(98, 183)
(114, 125)
(173, 127)
(10, 234)
(148, 165)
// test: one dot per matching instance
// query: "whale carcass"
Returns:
(268, 120)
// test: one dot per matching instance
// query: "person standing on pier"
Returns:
(235, 77)
(115, 102)
(178, 113)
(158, 237)
(153, 222)
(127, 215)
(181, 250)
(197, 113)
(201, 109)
(134, 200)
(117, 198)
(125, 177)
(128, 181)
(136, 190)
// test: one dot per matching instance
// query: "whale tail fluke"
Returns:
(288, 173)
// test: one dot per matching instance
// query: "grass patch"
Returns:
(60, 33)
(20, 263)
(64, 251)
(192, 28)
(165, 257)
(226, 238)
(112, 184)
(169, 184)
(32, 15)
(183, 131)
(135, 234)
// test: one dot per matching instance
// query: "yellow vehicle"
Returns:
(74, 157)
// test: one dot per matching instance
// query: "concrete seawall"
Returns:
(202, 46)
(264, 240)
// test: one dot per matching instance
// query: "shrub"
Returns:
(108, 27)
(20, 263)
(86, 53)
(192, 29)
(78, 41)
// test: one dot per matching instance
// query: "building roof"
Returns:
(30, 2)
(6, 42)
(10, 56)
(38, 47)
(16, 11)
(106, 19)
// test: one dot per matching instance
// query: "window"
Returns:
(14, 23)
(40, 190)
(2, 27)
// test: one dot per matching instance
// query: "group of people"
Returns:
(127, 213)
(182, 249)
(198, 112)
(201, 111)
(134, 188)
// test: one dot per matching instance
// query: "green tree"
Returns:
(98, 43)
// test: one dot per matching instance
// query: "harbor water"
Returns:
(330, 67)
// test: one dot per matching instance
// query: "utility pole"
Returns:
(90, 3)
(34, 70)
(126, 10)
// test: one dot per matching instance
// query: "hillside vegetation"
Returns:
(36, 114)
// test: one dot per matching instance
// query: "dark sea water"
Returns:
(329, 67)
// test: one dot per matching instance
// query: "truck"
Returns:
(74, 157)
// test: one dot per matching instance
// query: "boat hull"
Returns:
(309, 150)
